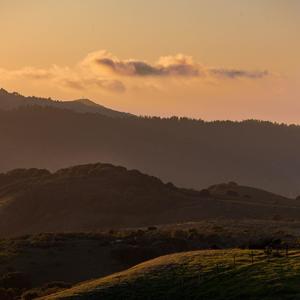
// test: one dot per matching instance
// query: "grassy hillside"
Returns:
(103, 196)
(44, 263)
(209, 275)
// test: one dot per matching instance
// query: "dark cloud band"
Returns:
(179, 65)
(232, 74)
(140, 68)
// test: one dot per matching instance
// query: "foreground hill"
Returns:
(38, 265)
(210, 275)
(186, 152)
(103, 196)
(9, 101)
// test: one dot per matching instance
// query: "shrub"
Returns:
(152, 228)
(30, 295)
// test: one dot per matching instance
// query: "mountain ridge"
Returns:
(187, 152)
(15, 100)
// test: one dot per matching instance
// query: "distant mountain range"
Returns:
(103, 196)
(14, 100)
(189, 153)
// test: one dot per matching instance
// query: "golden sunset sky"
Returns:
(209, 59)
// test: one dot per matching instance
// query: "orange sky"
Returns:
(210, 59)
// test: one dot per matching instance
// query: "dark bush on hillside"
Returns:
(56, 284)
(152, 228)
(30, 295)
(46, 289)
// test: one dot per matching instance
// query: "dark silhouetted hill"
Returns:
(189, 153)
(103, 196)
(10, 101)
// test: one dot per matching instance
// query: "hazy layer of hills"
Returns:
(9, 101)
(102, 196)
(100, 200)
(187, 152)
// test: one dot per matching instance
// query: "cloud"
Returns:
(179, 65)
(82, 84)
(33, 73)
(232, 74)
(102, 70)
(28, 72)
(74, 78)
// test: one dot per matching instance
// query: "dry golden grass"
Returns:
(210, 274)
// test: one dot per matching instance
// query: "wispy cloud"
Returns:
(76, 78)
(104, 71)
(106, 84)
(232, 74)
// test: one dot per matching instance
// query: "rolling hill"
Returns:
(210, 275)
(102, 196)
(71, 258)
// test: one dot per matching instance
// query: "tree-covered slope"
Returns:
(189, 153)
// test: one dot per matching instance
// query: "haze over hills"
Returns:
(190, 153)
(102, 196)
(10, 101)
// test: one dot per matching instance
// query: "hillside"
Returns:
(210, 275)
(189, 153)
(75, 257)
(9, 101)
(103, 196)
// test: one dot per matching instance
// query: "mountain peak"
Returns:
(15, 100)
(87, 102)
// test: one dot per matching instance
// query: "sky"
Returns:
(208, 59)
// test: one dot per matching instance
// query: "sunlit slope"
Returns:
(205, 275)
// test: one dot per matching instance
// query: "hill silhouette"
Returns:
(9, 101)
(189, 153)
(103, 196)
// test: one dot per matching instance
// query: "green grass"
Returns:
(199, 275)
